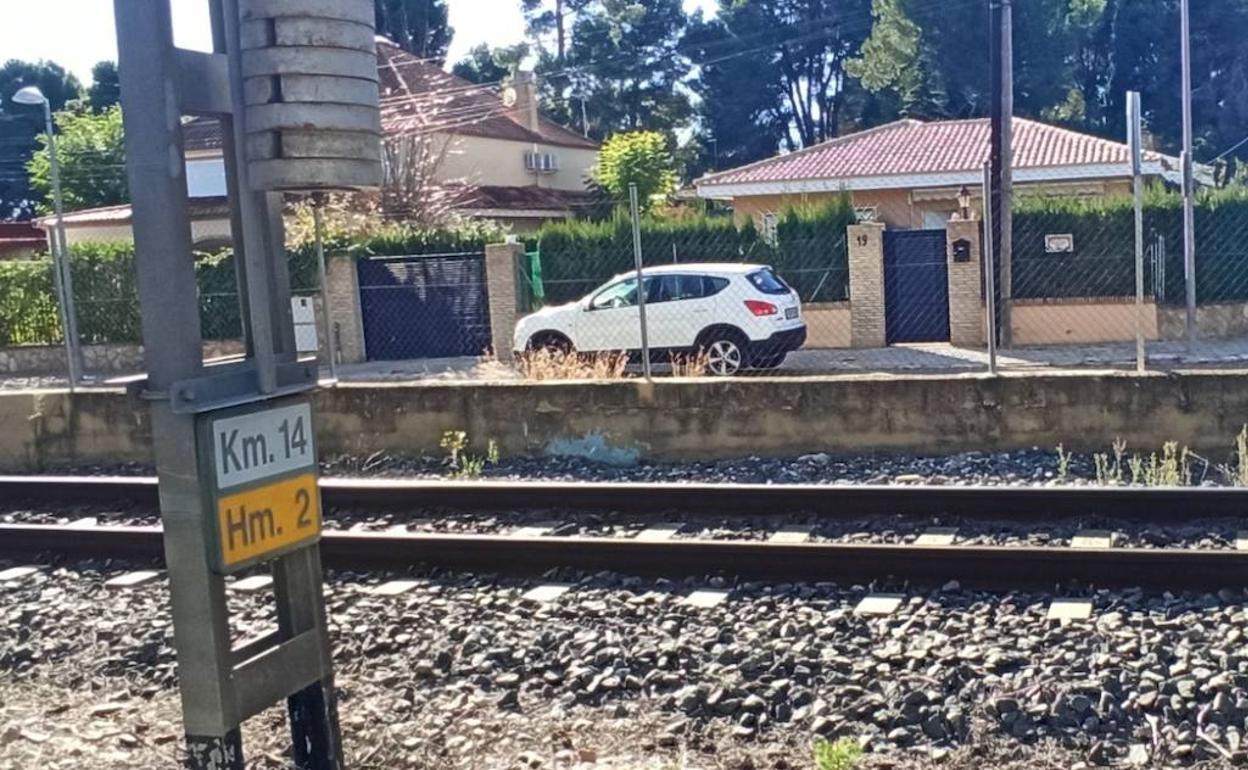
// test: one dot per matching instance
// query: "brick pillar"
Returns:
(866, 285)
(966, 304)
(500, 278)
(346, 325)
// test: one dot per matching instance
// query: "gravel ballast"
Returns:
(623, 673)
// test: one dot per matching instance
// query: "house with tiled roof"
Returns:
(490, 153)
(908, 173)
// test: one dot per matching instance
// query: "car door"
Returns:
(677, 308)
(610, 321)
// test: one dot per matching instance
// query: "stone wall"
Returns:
(342, 285)
(1226, 319)
(681, 419)
(500, 280)
(96, 359)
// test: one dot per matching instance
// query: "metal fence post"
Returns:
(318, 225)
(641, 283)
(1189, 212)
(1137, 188)
(60, 258)
(990, 270)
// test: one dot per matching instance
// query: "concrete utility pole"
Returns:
(1189, 192)
(1001, 63)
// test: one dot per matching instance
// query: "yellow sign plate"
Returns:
(268, 520)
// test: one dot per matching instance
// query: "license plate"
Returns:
(790, 313)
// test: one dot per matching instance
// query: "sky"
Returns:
(78, 33)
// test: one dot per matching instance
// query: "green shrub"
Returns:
(106, 289)
(28, 313)
(841, 755)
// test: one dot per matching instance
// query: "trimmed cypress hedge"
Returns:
(808, 250)
(1103, 261)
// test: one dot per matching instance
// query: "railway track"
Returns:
(980, 565)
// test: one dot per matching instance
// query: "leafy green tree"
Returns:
(741, 115)
(92, 159)
(637, 157)
(623, 63)
(420, 27)
(546, 16)
(936, 62)
(105, 90)
(484, 64)
(771, 73)
(20, 124)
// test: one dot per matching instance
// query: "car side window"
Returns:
(617, 295)
(712, 285)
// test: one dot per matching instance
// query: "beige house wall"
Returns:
(1077, 321)
(201, 232)
(827, 325)
(898, 208)
(481, 160)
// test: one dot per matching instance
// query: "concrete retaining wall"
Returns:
(683, 419)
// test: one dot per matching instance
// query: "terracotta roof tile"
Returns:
(418, 95)
(915, 147)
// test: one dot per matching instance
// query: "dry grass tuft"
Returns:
(540, 365)
(693, 365)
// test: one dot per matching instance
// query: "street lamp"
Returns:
(31, 95)
(964, 203)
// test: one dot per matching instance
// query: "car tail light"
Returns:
(760, 308)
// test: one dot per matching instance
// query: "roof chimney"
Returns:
(521, 96)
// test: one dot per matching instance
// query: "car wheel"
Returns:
(768, 362)
(551, 343)
(725, 354)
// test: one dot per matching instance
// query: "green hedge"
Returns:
(808, 251)
(106, 292)
(1103, 261)
(28, 313)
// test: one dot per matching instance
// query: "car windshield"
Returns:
(768, 282)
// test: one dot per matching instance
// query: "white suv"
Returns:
(738, 316)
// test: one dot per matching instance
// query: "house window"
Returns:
(770, 235)
(541, 162)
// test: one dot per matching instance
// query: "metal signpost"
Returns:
(293, 84)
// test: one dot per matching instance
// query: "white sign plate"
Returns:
(262, 445)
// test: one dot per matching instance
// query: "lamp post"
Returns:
(64, 280)
(964, 203)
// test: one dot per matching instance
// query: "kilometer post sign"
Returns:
(263, 469)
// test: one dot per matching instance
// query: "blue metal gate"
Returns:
(916, 286)
(432, 306)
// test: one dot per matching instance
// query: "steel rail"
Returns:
(996, 566)
(832, 501)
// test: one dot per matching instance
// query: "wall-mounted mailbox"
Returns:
(961, 250)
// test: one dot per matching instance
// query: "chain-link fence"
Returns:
(106, 308)
(694, 296)
(1082, 295)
